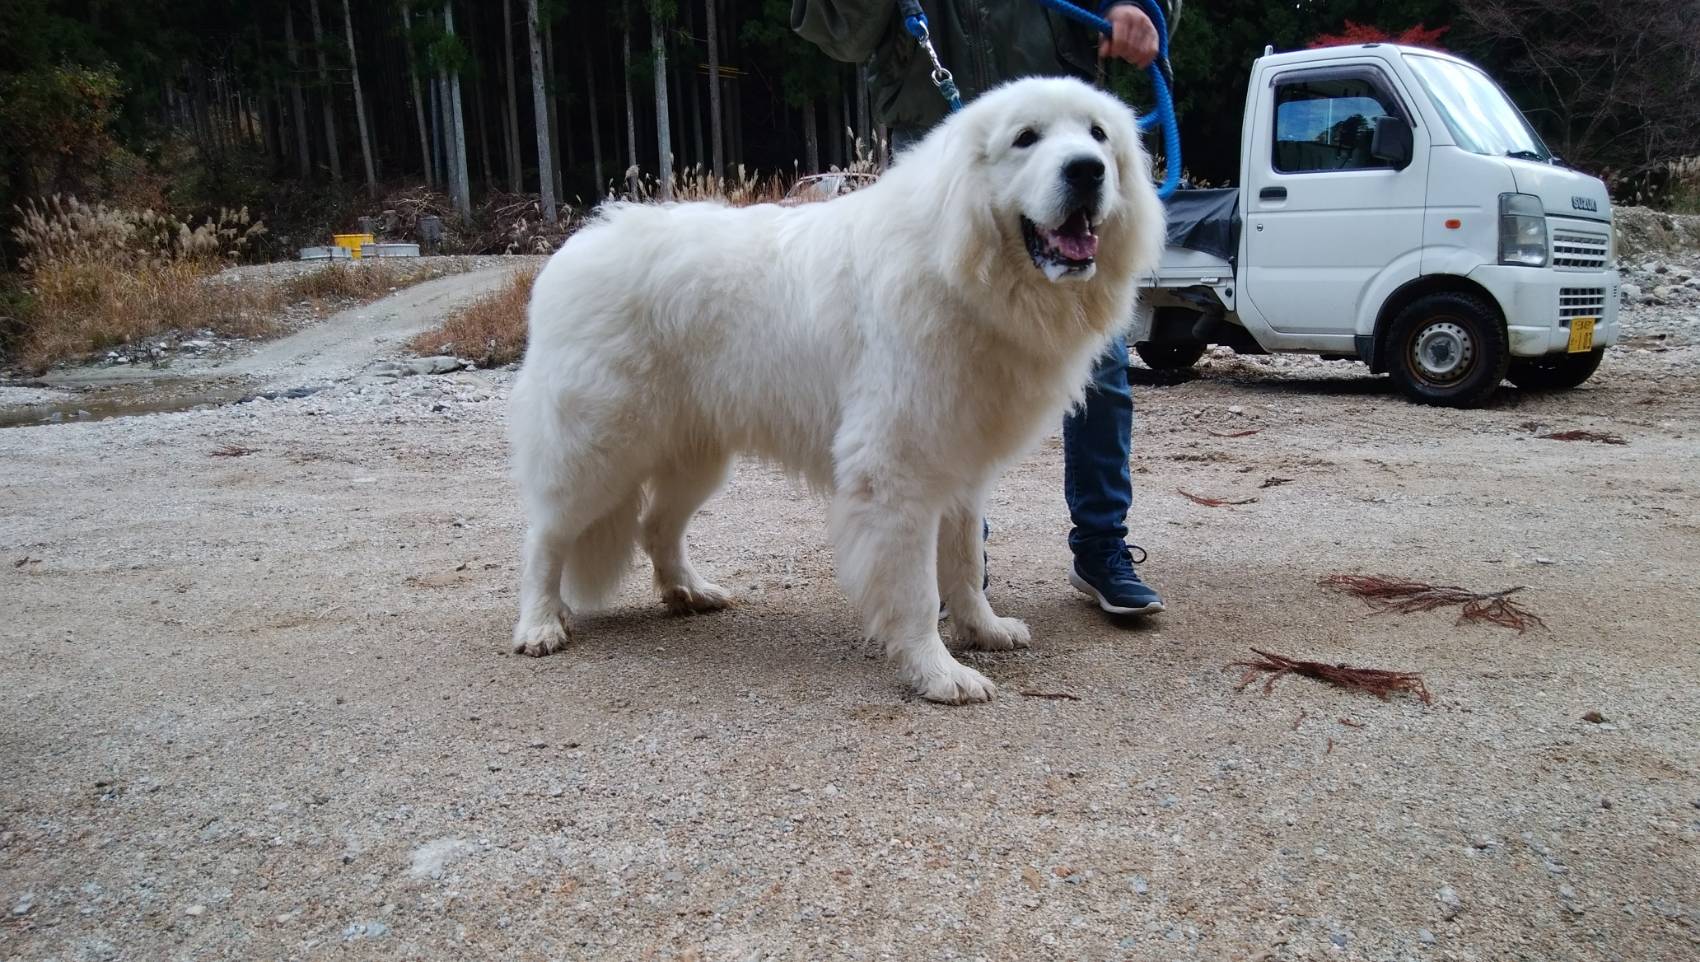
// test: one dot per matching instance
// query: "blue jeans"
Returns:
(1097, 443)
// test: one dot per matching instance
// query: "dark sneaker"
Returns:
(1109, 578)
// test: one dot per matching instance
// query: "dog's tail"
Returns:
(598, 559)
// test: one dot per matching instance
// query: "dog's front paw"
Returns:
(998, 634)
(544, 638)
(955, 684)
(696, 599)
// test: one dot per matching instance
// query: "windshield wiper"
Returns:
(1524, 155)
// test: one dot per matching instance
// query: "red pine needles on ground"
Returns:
(1376, 681)
(1404, 596)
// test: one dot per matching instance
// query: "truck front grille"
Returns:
(1578, 251)
(1581, 301)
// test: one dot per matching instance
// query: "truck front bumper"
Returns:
(1539, 305)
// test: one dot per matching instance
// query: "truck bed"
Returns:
(1203, 238)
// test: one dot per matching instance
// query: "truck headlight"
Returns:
(1522, 230)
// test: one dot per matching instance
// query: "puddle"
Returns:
(131, 401)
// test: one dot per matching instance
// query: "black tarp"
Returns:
(1206, 220)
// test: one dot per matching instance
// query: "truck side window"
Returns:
(1327, 123)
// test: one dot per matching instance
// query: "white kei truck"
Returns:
(1394, 207)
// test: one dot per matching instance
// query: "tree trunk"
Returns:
(478, 112)
(595, 123)
(327, 94)
(418, 99)
(540, 113)
(863, 126)
(566, 123)
(692, 99)
(676, 99)
(716, 135)
(516, 182)
(663, 120)
(632, 180)
(302, 148)
(439, 156)
(811, 138)
(735, 117)
(269, 118)
(359, 105)
(484, 169)
(837, 120)
(554, 117)
(463, 202)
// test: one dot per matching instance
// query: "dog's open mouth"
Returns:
(1070, 248)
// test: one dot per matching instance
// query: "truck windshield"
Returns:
(1481, 117)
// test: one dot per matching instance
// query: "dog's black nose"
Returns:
(1083, 179)
(1084, 173)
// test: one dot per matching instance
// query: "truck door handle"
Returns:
(1272, 193)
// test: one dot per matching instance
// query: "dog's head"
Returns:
(1047, 177)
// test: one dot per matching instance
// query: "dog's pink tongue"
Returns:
(1082, 246)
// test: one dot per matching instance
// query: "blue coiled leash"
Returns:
(915, 21)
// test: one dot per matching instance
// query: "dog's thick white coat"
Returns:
(896, 347)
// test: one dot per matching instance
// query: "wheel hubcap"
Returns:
(1443, 351)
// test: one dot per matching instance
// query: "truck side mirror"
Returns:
(1391, 141)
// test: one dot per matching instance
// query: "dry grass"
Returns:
(744, 187)
(84, 306)
(490, 330)
(100, 276)
(365, 281)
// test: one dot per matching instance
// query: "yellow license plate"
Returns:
(1581, 335)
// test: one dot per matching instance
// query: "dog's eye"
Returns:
(1098, 134)
(1026, 138)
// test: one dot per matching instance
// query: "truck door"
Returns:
(1324, 217)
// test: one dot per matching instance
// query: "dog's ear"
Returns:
(1141, 218)
(967, 229)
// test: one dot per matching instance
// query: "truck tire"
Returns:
(1170, 356)
(1555, 372)
(1448, 349)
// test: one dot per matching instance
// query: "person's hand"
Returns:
(1134, 39)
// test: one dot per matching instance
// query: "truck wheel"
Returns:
(1448, 349)
(1556, 372)
(1172, 356)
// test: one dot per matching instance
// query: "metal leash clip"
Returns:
(915, 21)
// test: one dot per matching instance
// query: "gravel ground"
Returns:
(255, 700)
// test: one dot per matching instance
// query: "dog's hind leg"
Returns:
(886, 547)
(962, 574)
(677, 490)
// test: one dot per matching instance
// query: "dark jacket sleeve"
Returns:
(847, 30)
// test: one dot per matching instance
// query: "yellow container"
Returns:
(353, 242)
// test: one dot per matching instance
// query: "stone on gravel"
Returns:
(1450, 904)
(1425, 936)
(440, 364)
(430, 858)
(365, 930)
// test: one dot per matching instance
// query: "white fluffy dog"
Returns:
(896, 347)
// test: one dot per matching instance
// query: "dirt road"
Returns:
(337, 347)
(255, 700)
